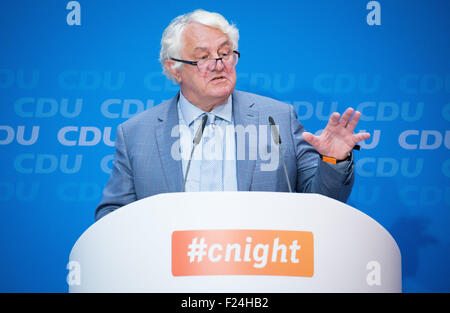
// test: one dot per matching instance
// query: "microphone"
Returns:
(277, 138)
(196, 141)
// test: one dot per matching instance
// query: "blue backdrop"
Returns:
(65, 88)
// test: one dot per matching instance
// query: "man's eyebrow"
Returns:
(200, 48)
(227, 42)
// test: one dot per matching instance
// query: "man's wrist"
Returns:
(332, 160)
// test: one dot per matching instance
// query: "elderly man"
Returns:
(154, 149)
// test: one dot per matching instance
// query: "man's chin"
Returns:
(221, 91)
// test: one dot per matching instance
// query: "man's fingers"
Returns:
(354, 121)
(334, 119)
(346, 116)
(360, 137)
(309, 138)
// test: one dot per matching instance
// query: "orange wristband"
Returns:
(333, 160)
(328, 159)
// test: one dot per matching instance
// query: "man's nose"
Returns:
(219, 66)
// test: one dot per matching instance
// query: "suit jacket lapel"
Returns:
(244, 115)
(172, 168)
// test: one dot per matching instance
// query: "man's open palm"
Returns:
(338, 139)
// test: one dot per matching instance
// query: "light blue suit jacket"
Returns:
(143, 165)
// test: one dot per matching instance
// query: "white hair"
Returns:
(171, 41)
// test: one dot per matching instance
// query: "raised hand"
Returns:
(338, 139)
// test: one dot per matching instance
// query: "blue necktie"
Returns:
(212, 156)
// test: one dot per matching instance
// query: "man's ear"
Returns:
(175, 73)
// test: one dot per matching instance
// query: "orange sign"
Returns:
(242, 252)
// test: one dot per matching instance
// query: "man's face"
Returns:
(211, 88)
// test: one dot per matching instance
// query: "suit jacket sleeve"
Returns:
(119, 190)
(316, 176)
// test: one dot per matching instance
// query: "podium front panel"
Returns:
(236, 242)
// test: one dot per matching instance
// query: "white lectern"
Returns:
(236, 242)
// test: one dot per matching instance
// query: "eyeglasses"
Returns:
(205, 65)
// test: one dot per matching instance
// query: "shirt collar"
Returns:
(191, 112)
